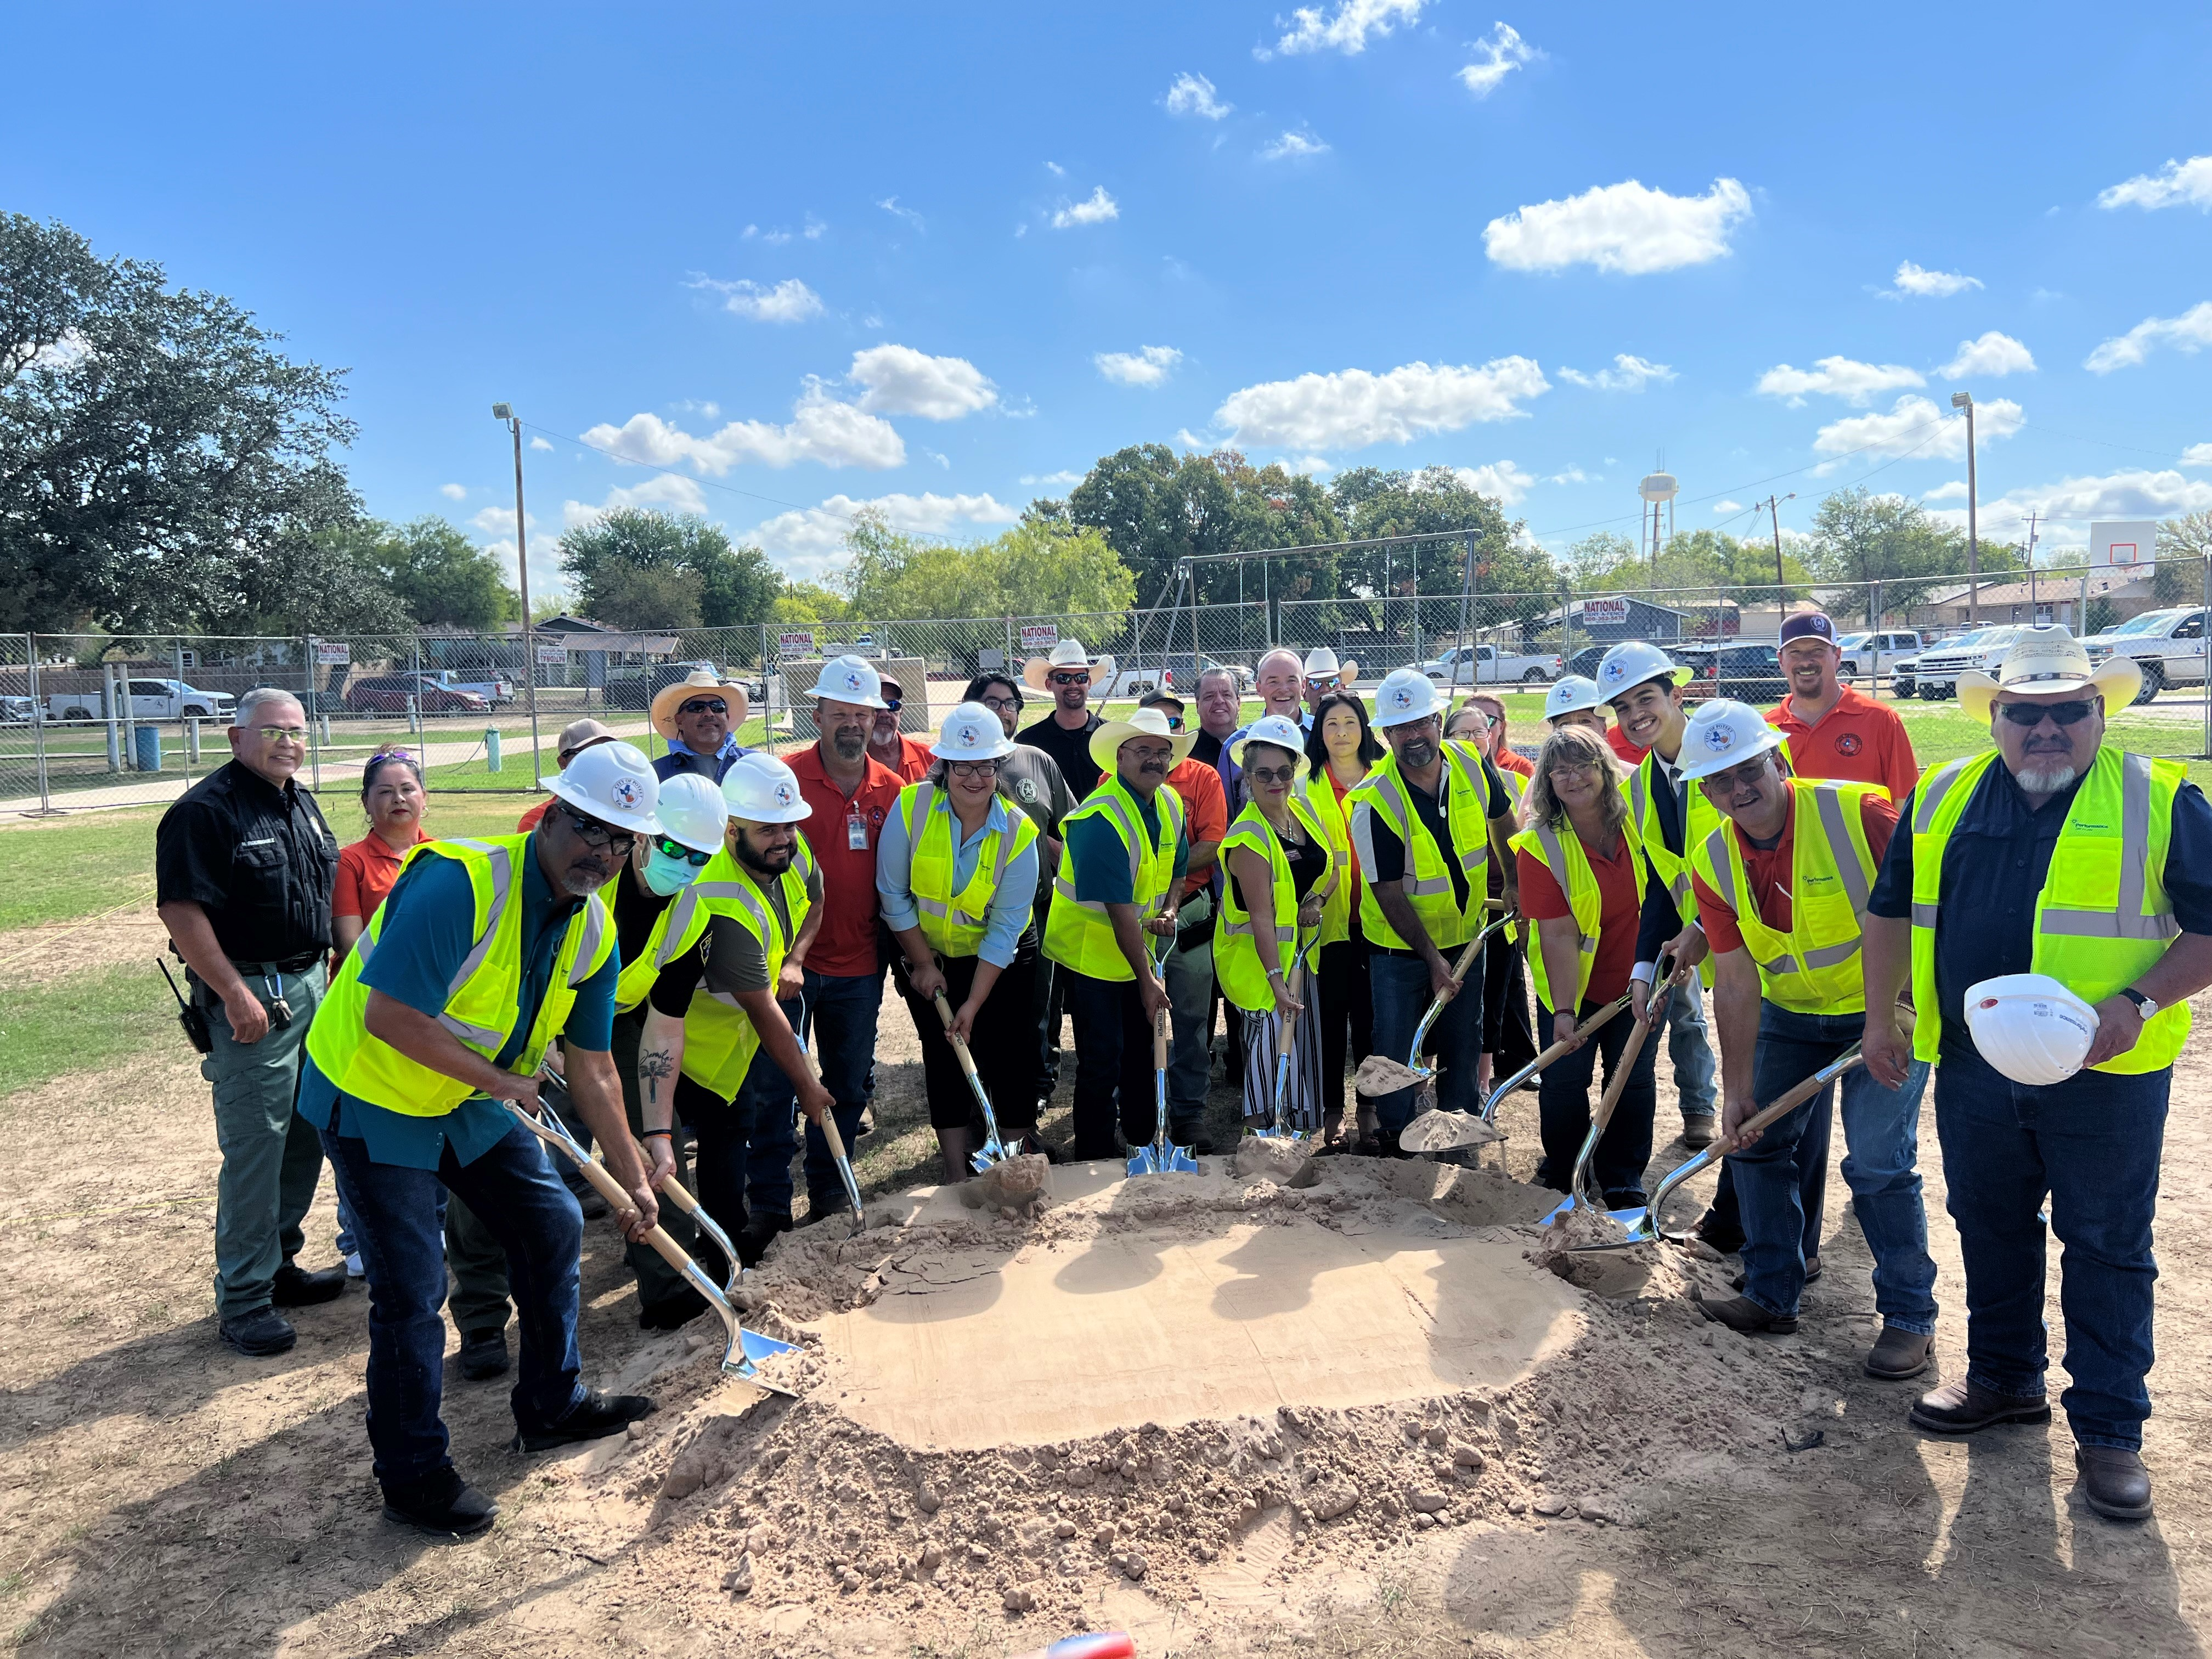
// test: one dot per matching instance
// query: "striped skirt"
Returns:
(1302, 1095)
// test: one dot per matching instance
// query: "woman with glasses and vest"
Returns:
(1583, 876)
(1274, 855)
(956, 871)
(1341, 750)
(1508, 1041)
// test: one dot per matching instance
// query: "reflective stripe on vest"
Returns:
(1569, 863)
(1809, 969)
(954, 924)
(719, 1040)
(1078, 932)
(1236, 961)
(1333, 830)
(1427, 881)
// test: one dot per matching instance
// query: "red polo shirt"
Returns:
(366, 871)
(1619, 904)
(1766, 870)
(1510, 759)
(1618, 741)
(1204, 808)
(914, 762)
(1857, 741)
(845, 947)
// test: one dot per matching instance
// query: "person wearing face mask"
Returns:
(888, 745)
(698, 718)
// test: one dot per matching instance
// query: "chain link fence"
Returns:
(96, 721)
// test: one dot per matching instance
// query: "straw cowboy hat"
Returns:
(1321, 665)
(1106, 742)
(2048, 659)
(669, 698)
(1068, 653)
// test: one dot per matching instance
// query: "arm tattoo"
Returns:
(653, 1066)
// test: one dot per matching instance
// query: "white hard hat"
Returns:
(1634, 661)
(1405, 694)
(613, 782)
(2030, 1027)
(692, 810)
(1723, 733)
(759, 788)
(1281, 730)
(1570, 695)
(971, 732)
(850, 679)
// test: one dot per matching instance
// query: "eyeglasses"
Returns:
(592, 833)
(1145, 751)
(1000, 705)
(2028, 713)
(1070, 679)
(1573, 769)
(989, 768)
(702, 706)
(1751, 771)
(1284, 775)
(676, 849)
(294, 734)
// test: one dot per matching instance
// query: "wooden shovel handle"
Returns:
(1634, 1047)
(608, 1187)
(829, 1126)
(959, 1049)
(1582, 1029)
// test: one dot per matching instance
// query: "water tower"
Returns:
(1658, 490)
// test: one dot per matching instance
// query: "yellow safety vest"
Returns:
(1814, 968)
(954, 923)
(1563, 855)
(1427, 882)
(1236, 962)
(675, 931)
(1078, 934)
(483, 1003)
(2103, 916)
(1674, 868)
(1326, 814)
(719, 1038)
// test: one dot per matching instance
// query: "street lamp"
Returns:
(1965, 400)
(505, 412)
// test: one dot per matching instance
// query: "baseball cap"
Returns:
(1163, 694)
(582, 734)
(1809, 625)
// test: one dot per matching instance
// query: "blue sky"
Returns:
(806, 258)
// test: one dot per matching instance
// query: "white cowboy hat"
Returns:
(1321, 665)
(669, 698)
(2048, 659)
(1068, 653)
(1106, 742)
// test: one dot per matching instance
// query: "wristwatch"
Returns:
(2144, 1007)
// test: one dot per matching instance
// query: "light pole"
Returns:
(505, 412)
(1965, 400)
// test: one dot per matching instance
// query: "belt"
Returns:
(298, 965)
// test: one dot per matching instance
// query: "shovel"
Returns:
(1577, 1196)
(673, 1191)
(1159, 1156)
(1378, 1074)
(1437, 1131)
(1281, 1130)
(844, 1166)
(994, 1150)
(745, 1349)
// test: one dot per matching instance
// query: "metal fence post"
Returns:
(39, 722)
(314, 739)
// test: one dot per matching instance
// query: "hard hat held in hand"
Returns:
(971, 732)
(1404, 696)
(1570, 695)
(692, 811)
(850, 679)
(1722, 734)
(761, 789)
(614, 783)
(2029, 1027)
(1632, 662)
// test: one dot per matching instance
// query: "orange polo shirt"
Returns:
(1857, 741)
(366, 871)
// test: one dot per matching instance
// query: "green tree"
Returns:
(1514, 580)
(328, 582)
(443, 579)
(1039, 568)
(162, 462)
(809, 602)
(627, 562)
(1861, 537)
(2173, 581)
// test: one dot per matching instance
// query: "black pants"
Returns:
(1347, 1013)
(1722, 1225)
(1564, 1106)
(1005, 1059)
(717, 1149)
(1506, 1037)
(1115, 1100)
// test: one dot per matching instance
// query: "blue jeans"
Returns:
(839, 1023)
(399, 1226)
(2091, 1145)
(1400, 987)
(1690, 1048)
(1189, 977)
(1882, 1138)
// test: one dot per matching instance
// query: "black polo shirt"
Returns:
(1071, 748)
(258, 859)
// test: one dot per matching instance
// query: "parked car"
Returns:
(1486, 665)
(2168, 646)
(1873, 655)
(150, 700)
(497, 692)
(1904, 677)
(1937, 670)
(18, 711)
(1747, 672)
(388, 693)
(1136, 679)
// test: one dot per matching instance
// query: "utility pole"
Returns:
(1965, 400)
(505, 412)
(2032, 598)
(1781, 594)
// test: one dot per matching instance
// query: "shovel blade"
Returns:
(1440, 1131)
(1143, 1161)
(1182, 1160)
(1378, 1074)
(1560, 1212)
(992, 1152)
(1640, 1230)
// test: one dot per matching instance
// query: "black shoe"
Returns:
(1727, 1239)
(822, 1208)
(2114, 1482)
(294, 1287)
(1034, 1142)
(757, 1235)
(1899, 1354)
(1964, 1407)
(594, 1417)
(261, 1334)
(1743, 1314)
(671, 1311)
(1203, 1146)
(1813, 1271)
(444, 1505)
(483, 1354)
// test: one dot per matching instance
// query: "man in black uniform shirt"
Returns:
(243, 868)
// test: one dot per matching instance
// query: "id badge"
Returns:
(856, 832)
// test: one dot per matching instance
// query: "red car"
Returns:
(388, 693)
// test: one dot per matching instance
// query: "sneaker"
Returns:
(294, 1287)
(442, 1504)
(483, 1354)
(594, 1417)
(261, 1334)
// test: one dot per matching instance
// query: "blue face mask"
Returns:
(666, 876)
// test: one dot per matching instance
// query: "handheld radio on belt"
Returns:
(194, 1021)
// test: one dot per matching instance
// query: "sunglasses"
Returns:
(676, 849)
(892, 705)
(592, 833)
(293, 734)
(702, 706)
(2061, 714)
(1284, 775)
(1719, 783)
(1070, 679)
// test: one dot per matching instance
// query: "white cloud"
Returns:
(890, 205)
(1054, 480)
(1347, 31)
(2197, 455)
(1728, 507)
(822, 430)
(1624, 228)
(1055, 169)
(454, 492)
(1993, 354)
(1095, 210)
(1146, 366)
(1495, 58)
(811, 542)
(64, 353)
(789, 301)
(1571, 475)
(1955, 490)
(496, 525)
(1190, 440)
(900, 381)
(540, 443)
(1915, 426)
(669, 493)
(1911, 279)
(2139, 493)
(706, 406)
(1353, 408)
(1628, 374)
(2191, 331)
(1311, 466)
(1855, 382)
(1501, 479)
(2178, 183)
(1193, 94)
(814, 228)
(1294, 145)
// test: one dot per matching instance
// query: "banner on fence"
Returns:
(1040, 637)
(552, 656)
(330, 655)
(795, 642)
(1609, 612)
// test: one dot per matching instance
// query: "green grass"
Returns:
(51, 869)
(82, 1023)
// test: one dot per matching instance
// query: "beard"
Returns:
(773, 863)
(2045, 779)
(848, 743)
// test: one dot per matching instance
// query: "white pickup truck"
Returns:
(497, 692)
(1485, 665)
(1936, 673)
(1874, 656)
(2167, 645)
(150, 700)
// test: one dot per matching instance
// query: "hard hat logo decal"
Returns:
(1615, 671)
(852, 681)
(1720, 739)
(626, 795)
(783, 795)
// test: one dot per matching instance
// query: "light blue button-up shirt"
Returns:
(1010, 906)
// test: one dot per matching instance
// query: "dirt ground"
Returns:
(161, 1495)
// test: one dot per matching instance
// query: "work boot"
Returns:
(261, 1334)
(822, 1207)
(1741, 1313)
(594, 1417)
(679, 1309)
(1897, 1354)
(2114, 1482)
(1698, 1132)
(1813, 1271)
(1964, 1407)
(483, 1354)
(294, 1287)
(1725, 1236)
(757, 1234)
(442, 1504)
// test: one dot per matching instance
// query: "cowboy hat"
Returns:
(669, 698)
(1106, 742)
(1321, 665)
(2048, 659)
(1068, 653)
